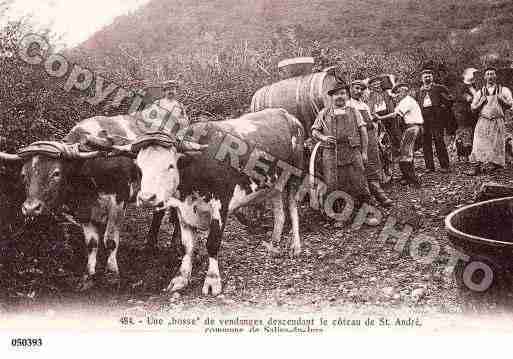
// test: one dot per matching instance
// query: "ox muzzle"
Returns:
(161, 139)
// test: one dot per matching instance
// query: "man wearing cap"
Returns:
(490, 102)
(465, 118)
(170, 103)
(163, 113)
(410, 112)
(436, 103)
(343, 132)
(373, 166)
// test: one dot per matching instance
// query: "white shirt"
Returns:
(360, 106)
(506, 92)
(410, 111)
(163, 114)
(427, 101)
(380, 106)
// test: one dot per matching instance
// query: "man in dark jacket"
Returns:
(436, 104)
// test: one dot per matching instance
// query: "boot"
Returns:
(379, 194)
(412, 177)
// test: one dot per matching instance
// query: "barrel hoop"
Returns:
(320, 80)
(298, 98)
(267, 97)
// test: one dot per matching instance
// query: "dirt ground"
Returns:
(338, 268)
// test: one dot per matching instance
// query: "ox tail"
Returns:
(296, 130)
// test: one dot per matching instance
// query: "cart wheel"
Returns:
(480, 275)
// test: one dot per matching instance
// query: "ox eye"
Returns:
(56, 174)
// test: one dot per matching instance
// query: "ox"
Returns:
(205, 188)
(95, 189)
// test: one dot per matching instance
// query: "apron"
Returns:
(343, 153)
(489, 134)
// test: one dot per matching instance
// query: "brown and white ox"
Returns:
(206, 186)
(93, 188)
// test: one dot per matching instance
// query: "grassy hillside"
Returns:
(390, 25)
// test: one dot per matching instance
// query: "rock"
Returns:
(388, 291)
(290, 291)
(418, 293)
(353, 293)
(373, 221)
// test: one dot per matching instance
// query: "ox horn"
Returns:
(74, 151)
(89, 155)
(122, 150)
(9, 157)
(191, 146)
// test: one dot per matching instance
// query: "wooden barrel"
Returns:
(302, 96)
(297, 66)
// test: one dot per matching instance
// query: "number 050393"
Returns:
(26, 342)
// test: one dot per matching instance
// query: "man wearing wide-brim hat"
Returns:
(411, 114)
(373, 167)
(342, 131)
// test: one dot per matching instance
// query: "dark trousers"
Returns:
(395, 134)
(436, 134)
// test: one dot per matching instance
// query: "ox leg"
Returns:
(188, 235)
(213, 278)
(92, 240)
(177, 235)
(111, 239)
(279, 221)
(295, 245)
(151, 242)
